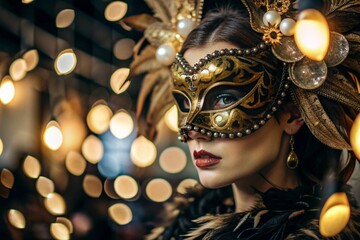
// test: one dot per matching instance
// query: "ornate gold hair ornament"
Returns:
(303, 43)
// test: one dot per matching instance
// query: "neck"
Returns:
(276, 174)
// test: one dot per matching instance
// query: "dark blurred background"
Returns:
(71, 163)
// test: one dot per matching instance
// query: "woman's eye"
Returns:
(224, 100)
(186, 104)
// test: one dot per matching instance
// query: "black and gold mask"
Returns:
(226, 94)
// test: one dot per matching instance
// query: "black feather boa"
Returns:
(291, 214)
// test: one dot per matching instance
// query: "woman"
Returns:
(262, 158)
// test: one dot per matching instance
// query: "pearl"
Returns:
(271, 18)
(165, 54)
(287, 27)
(184, 27)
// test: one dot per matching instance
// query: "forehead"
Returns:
(194, 54)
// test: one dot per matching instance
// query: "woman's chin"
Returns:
(209, 183)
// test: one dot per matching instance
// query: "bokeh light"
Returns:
(109, 188)
(121, 125)
(98, 118)
(82, 224)
(7, 178)
(118, 81)
(17, 69)
(55, 204)
(32, 167)
(16, 219)
(31, 58)
(110, 165)
(123, 49)
(120, 213)
(126, 187)
(7, 90)
(66, 222)
(115, 11)
(53, 137)
(65, 62)
(173, 160)
(27, 1)
(92, 186)
(92, 149)
(45, 186)
(1, 147)
(65, 18)
(171, 119)
(186, 184)
(59, 231)
(143, 152)
(355, 136)
(158, 190)
(75, 163)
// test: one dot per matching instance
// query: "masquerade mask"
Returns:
(227, 94)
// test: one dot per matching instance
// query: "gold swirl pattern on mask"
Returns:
(226, 70)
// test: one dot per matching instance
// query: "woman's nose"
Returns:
(194, 135)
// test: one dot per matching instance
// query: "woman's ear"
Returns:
(291, 119)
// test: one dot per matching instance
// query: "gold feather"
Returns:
(159, 94)
(335, 5)
(257, 218)
(162, 9)
(242, 221)
(145, 61)
(149, 81)
(139, 22)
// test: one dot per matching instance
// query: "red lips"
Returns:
(204, 159)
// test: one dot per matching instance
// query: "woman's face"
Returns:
(220, 162)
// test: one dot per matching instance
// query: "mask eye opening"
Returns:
(183, 103)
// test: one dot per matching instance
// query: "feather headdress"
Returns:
(160, 30)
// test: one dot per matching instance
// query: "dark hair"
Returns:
(316, 158)
(223, 25)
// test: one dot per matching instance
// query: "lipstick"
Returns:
(204, 159)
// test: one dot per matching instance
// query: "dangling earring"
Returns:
(292, 160)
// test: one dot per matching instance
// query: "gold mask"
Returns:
(227, 94)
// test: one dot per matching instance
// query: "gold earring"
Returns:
(292, 159)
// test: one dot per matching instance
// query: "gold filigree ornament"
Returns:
(272, 35)
(281, 6)
(304, 72)
(317, 78)
(165, 30)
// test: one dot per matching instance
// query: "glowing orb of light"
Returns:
(7, 90)
(143, 152)
(171, 119)
(98, 118)
(18, 69)
(355, 136)
(65, 62)
(121, 125)
(173, 160)
(55, 204)
(126, 187)
(92, 149)
(115, 11)
(120, 213)
(32, 167)
(65, 18)
(158, 190)
(59, 231)
(53, 137)
(16, 219)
